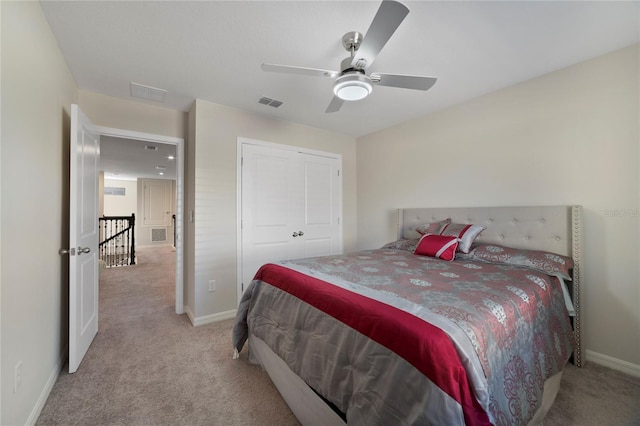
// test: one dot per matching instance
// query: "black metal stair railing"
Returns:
(118, 245)
(173, 218)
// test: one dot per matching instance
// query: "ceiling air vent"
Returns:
(147, 92)
(268, 101)
(151, 147)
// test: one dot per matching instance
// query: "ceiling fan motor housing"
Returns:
(352, 40)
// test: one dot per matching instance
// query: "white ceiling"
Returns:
(212, 50)
(127, 159)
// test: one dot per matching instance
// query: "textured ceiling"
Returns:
(213, 51)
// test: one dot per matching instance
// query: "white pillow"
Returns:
(466, 233)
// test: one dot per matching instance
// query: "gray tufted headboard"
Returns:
(555, 229)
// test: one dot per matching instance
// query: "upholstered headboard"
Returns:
(555, 229)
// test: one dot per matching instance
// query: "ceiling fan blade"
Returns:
(415, 82)
(388, 18)
(334, 105)
(298, 70)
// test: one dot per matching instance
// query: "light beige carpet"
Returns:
(149, 366)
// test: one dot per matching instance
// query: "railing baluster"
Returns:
(118, 245)
(125, 254)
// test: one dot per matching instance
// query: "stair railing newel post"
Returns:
(132, 226)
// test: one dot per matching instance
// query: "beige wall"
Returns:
(569, 137)
(37, 93)
(213, 163)
(121, 205)
(107, 111)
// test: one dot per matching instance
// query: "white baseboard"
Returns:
(613, 363)
(208, 319)
(190, 315)
(220, 316)
(159, 244)
(46, 391)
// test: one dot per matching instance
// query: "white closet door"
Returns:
(290, 207)
(321, 209)
(270, 209)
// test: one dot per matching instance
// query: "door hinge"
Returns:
(242, 287)
(338, 172)
(241, 161)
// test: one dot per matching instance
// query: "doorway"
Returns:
(178, 143)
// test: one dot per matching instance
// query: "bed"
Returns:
(388, 336)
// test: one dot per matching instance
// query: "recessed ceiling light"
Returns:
(171, 157)
(161, 173)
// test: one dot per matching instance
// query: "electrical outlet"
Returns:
(17, 377)
(212, 285)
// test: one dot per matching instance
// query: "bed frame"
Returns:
(553, 228)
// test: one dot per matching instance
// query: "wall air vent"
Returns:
(158, 235)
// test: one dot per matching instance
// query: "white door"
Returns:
(320, 233)
(157, 202)
(83, 236)
(290, 207)
(268, 215)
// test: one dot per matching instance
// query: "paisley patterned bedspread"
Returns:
(508, 326)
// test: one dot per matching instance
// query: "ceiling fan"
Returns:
(352, 82)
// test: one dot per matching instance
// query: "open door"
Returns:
(83, 236)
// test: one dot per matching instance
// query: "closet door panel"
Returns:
(321, 226)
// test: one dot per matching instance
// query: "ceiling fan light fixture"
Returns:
(352, 87)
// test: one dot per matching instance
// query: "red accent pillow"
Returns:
(438, 246)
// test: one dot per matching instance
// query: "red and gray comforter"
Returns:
(393, 338)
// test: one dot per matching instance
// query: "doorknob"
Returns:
(84, 250)
(300, 233)
(295, 234)
(70, 252)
